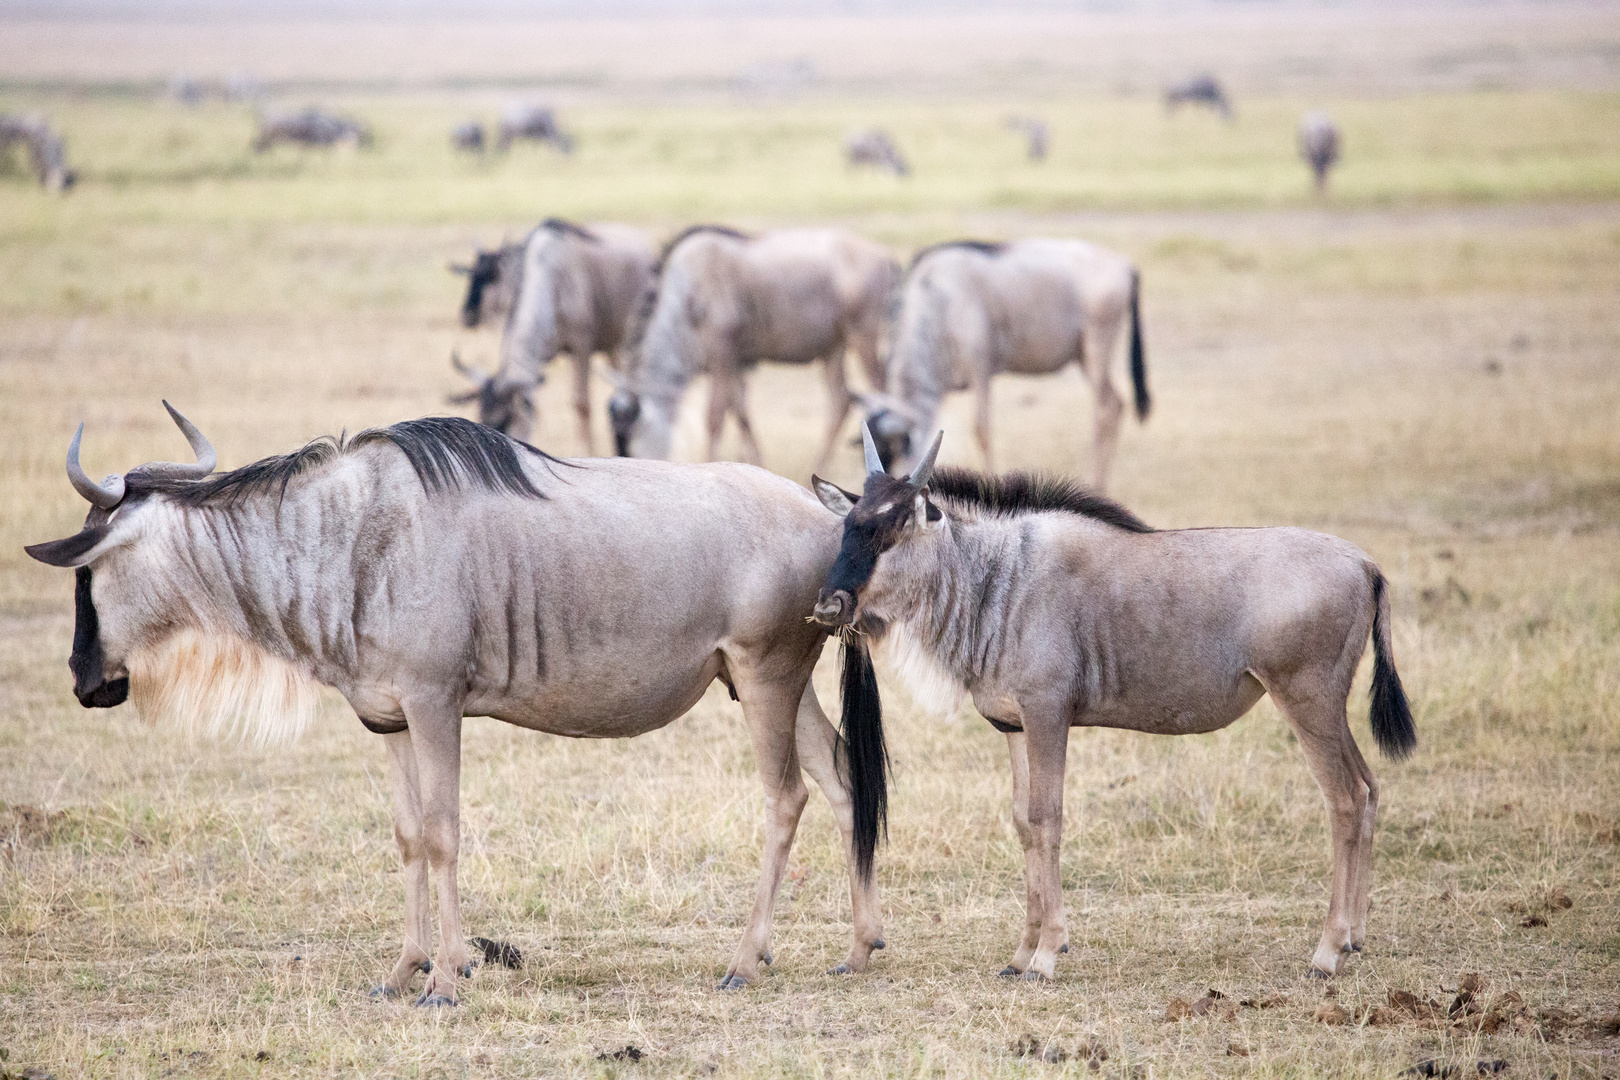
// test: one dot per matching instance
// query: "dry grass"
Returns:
(1436, 385)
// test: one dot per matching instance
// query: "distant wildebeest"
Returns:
(46, 155)
(578, 288)
(722, 301)
(187, 90)
(311, 127)
(876, 147)
(520, 120)
(971, 310)
(1034, 132)
(468, 137)
(1198, 90)
(492, 283)
(436, 569)
(1055, 608)
(1319, 146)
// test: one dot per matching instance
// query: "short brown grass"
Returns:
(1437, 385)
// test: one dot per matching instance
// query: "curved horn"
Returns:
(104, 496)
(466, 369)
(919, 476)
(206, 458)
(874, 463)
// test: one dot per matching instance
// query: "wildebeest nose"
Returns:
(834, 610)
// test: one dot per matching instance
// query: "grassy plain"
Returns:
(1425, 366)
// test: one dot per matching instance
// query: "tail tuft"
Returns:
(866, 753)
(1144, 403)
(1391, 716)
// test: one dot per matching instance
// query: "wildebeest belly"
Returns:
(608, 700)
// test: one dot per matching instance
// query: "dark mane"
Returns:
(649, 298)
(572, 228)
(1023, 492)
(983, 247)
(446, 453)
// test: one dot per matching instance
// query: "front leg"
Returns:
(407, 806)
(1047, 744)
(436, 738)
(1019, 758)
(582, 399)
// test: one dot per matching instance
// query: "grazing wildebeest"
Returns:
(493, 281)
(1055, 608)
(520, 120)
(437, 569)
(876, 147)
(1319, 146)
(1198, 90)
(579, 287)
(1034, 132)
(722, 301)
(468, 137)
(46, 155)
(310, 127)
(971, 310)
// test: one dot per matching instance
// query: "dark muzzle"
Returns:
(835, 610)
(103, 695)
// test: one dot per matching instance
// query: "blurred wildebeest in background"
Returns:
(722, 301)
(435, 570)
(780, 78)
(46, 154)
(311, 127)
(579, 287)
(970, 310)
(186, 90)
(522, 120)
(468, 137)
(1199, 90)
(1034, 132)
(492, 283)
(243, 86)
(875, 147)
(1319, 146)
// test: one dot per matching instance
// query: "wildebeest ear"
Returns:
(933, 513)
(833, 497)
(71, 550)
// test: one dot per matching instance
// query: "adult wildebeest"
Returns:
(1319, 146)
(311, 127)
(1034, 132)
(578, 288)
(46, 155)
(971, 310)
(437, 569)
(493, 281)
(1055, 608)
(468, 137)
(876, 147)
(1199, 90)
(520, 120)
(722, 301)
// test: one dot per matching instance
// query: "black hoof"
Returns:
(1008, 972)
(466, 970)
(434, 1001)
(1354, 947)
(1318, 973)
(766, 959)
(733, 982)
(841, 969)
(1063, 948)
(383, 992)
(880, 944)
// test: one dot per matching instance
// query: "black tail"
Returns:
(1391, 717)
(1144, 403)
(868, 757)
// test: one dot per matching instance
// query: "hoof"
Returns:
(880, 944)
(1033, 976)
(1318, 973)
(1008, 972)
(465, 970)
(383, 992)
(733, 982)
(841, 969)
(766, 959)
(433, 1001)
(1063, 948)
(1355, 946)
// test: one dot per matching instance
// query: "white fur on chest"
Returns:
(903, 657)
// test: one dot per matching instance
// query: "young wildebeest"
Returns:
(1319, 146)
(493, 281)
(1055, 608)
(45, 152)
(524, 121)
(876, 147)
(971, 310)
(579, 287)
(309, 128)
(436, 569)
(1198, 90)
(723, 301)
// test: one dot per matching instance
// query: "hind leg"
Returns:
(582, 401)
(1319, 721)
(1096, 362)
(1363, 896)
(838, 402)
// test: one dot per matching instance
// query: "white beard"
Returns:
(903, 657)
(223, 686)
